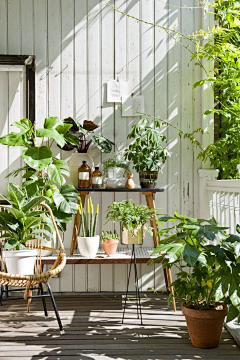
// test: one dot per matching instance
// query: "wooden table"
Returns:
(149, 195)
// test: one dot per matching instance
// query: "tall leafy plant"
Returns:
(207, 259)
(147, 151)
(44, 174)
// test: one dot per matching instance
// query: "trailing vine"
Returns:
(224, 77)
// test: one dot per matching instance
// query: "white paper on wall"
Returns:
(116, 89)
(132, 105)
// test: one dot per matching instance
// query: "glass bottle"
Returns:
(97, 178)
(84, 175)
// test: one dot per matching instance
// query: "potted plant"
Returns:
(147, 151)
(133, 218)
(44, 174)
(88, 242)
(20, 224)
(110, 241)
(208, 275)
(115, 166)
(80, 137)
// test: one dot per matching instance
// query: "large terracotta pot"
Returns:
(110, 246)
(205, 326)
(75, 161)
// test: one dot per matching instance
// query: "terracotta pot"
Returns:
(148, 179)
(110, 246)
(204, 326)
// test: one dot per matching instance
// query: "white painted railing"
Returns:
(224, 202)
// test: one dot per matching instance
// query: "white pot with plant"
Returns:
(134, 220)
(88, 242)
(80, 137)
(147, 151)
(21, 223)
(114, 170)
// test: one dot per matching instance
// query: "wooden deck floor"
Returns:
(94, 332)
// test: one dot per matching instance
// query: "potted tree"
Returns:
(88, 242)
(20, 224)
(80, 137)
(147, 151)
(133, 218)
(209, 274)
(110, 241)
(44, 174)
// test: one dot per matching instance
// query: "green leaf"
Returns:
(50, 122)
(28, 174)
(191, 254)
(63, 128)
(14, 139)
(37, 157)
(16, 194)
(232, 313)
(63, 205)
(15, 173)
(71, 139)
(56, 171)
(10, 244)
(42, 231)
(51, 133)
(23, 124)
(102, 143)
(32, 202)
(32, 222)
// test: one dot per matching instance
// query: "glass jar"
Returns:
(84, 175)
(97, 178)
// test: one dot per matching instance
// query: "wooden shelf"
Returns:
(140, 190)
(122, 256)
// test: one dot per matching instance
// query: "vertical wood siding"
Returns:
(80, 45)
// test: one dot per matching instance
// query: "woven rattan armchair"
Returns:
(34, 282)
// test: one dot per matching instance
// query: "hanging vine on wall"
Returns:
(223, 51)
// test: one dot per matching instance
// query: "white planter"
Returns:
(115, 173)
(75, 161)
(88, 246)
(20, 262)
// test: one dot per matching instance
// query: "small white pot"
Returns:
(88, 246)
(20, 262)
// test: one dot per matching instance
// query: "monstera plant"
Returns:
(81, 136)
(44, 174)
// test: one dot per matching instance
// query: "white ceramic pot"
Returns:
(20, 262)
(88, 246)
(115, 173)
(75, 161)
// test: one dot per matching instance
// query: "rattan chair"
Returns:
(34, 282)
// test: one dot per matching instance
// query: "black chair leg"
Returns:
(43, 300)
(55, 308)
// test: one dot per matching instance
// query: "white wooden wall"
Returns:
(79, 45)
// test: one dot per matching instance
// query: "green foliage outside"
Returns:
(207, 259)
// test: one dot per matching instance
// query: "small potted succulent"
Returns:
(133, 218)
(110, 241)
(80, 137)
(88, 242)
(208, 279)
(20, 223)
(147, 151)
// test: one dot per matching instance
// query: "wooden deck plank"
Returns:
(94, 331)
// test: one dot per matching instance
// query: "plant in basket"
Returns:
(147, 151)
(20, 222)
(134, 220)
(110, 241)
(208, 278)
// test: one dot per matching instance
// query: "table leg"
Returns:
(77, 223)
(167, 272)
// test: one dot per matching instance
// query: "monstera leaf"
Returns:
(37, 157)
(56, 170)
(21, 138)
(102, 143)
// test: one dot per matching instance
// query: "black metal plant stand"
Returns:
(41, 295)
(138, 299)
